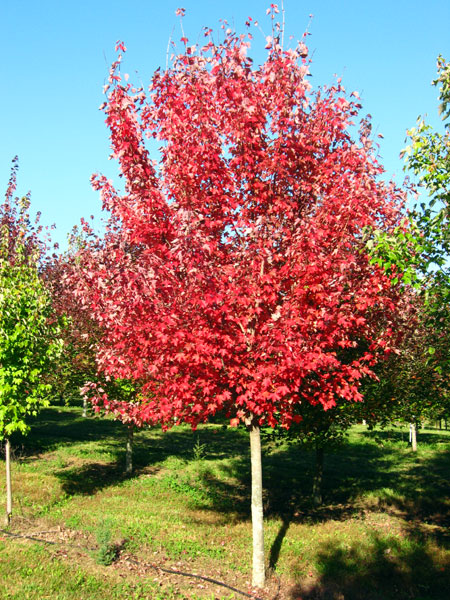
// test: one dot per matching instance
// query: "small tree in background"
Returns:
(319, 430)
(119, 398)
(413, 385)
(80, 333)
(428, 157)
(77, 375)
(29, 339)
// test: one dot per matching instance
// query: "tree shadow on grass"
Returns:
(90, 478)
(148, 455)
(376, 569)
(58, 426)
(86, 473)
(357, 478)
(426, 436)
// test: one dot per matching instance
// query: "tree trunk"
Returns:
(318, 476)
(8, 483)
(413, 436)
(129, 451)
(85, 403)
(258, 573)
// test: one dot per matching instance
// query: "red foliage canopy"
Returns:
(234, 274)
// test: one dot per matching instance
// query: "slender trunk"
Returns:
(258, 573)
(85, 407)
(318, 476)
(129, 451)
(413, 436)
(8, 483)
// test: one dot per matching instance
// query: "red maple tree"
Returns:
(234, 274)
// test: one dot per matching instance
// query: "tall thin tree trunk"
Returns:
(413, 436)
(8, 483)
(129, 451)
(85, 403)
(258, 572)
(318, 477)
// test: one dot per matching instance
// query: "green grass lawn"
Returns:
(382, 532)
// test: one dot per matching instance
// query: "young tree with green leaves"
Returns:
(419, 247)
(29, 339)
(428, 157)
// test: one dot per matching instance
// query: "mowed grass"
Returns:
(382, 532)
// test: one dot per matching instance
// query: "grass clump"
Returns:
(106, 552)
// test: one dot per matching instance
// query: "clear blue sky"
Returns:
(56, 55)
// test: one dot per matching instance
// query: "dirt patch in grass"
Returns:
(184, 578)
